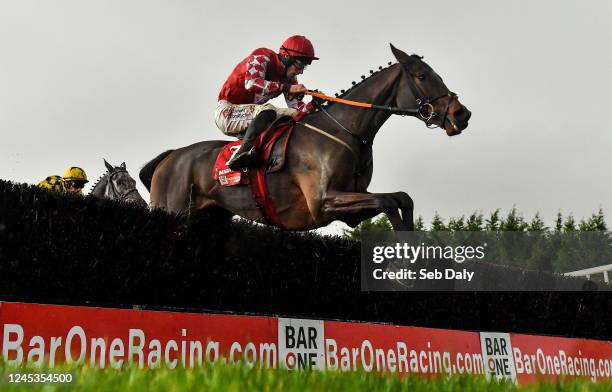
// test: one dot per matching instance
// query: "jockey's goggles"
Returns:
(74, 184)
(302, 63)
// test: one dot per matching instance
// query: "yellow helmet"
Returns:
(52, 183)
(75, 173)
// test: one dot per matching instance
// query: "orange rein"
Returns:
(341, 100)
(401, 112)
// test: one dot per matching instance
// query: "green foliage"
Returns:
(419, 224)
(377, 224)
(568, 246)
(537, 224)
(569, 225)
(437, 224)
(514, 221)
(474, 222)
(457, 224)
(240, 377)
(596, 222)
(492, 224)
(559, 222)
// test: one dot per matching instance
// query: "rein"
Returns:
(334, 119)
(425, 109)
(392, 109)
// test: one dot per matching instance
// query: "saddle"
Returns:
(270, 148)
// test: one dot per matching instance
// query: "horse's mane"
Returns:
(98, 180)
(343, 93)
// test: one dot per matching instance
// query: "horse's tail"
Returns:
(146, 173)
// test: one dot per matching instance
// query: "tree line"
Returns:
(566, 245)
(476, 221)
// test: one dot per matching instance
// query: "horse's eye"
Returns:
(421, 76)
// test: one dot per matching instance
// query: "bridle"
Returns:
(114, 190)
(425, 108)
(427, 103)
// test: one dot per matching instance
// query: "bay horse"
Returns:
(117, 184)
(328, 163)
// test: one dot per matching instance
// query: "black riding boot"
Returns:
(243, 157)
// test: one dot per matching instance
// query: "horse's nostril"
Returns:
(462, 114)
(469, 114)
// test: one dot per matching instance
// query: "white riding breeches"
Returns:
(233, 120)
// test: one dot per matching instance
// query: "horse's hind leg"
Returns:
(346, 205)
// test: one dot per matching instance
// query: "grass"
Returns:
(223, 377)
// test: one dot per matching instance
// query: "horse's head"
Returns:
(422, 88)
(121, 186)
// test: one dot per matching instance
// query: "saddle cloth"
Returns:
(270, 147)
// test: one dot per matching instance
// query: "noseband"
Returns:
(114, 190)
(425, 107)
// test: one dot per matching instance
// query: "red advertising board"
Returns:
(401, 349)
(111, 337)
(106, 337)
(551, 357)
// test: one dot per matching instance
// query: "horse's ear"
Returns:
(109, 167)
(123, 165)
(399, 55)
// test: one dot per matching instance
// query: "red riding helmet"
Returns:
(298, 46)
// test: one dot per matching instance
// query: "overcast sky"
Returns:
(125, 80)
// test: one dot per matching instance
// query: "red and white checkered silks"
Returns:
(257, 79)
(254, 79)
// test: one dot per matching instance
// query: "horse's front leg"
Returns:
(348, 205)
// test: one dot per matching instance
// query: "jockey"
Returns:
(74, 180)
(243, 110)
(52, 183)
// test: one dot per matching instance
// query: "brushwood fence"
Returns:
(58, 248)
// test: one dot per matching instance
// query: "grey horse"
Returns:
(117, 184)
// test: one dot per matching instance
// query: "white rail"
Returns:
(602, 269)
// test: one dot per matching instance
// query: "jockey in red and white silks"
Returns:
(243, 107)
